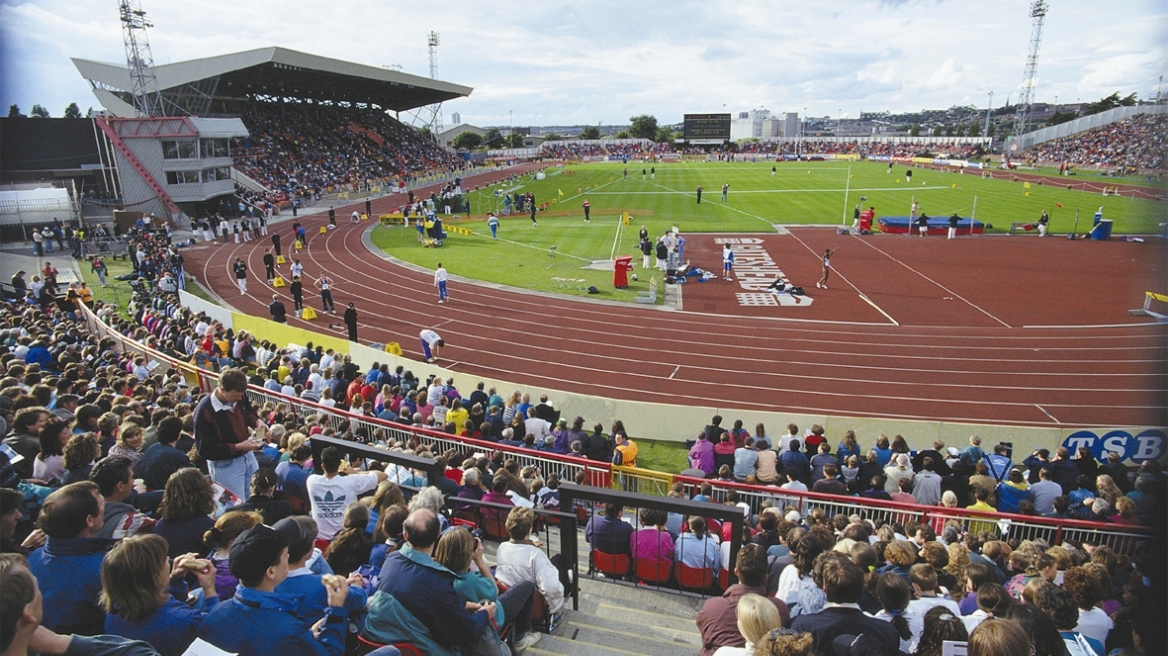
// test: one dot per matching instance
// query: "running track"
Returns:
(967, 369)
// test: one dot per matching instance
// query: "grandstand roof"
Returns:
(275, 72)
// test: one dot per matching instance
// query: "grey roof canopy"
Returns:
(277, 72)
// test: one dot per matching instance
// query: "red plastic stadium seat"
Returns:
(724, 578)
(322, 544)
(365, 645)
(653, 571)
(494, 527)
(611, 564)
(694, 578)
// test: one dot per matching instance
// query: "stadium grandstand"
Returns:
(309, 126)
(176, 470)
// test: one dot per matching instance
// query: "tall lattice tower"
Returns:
(143, 83)
(1037, 14)
(436, 119)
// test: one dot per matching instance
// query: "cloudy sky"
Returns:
(602, 61)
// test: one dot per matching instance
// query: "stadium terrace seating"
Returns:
(298, 149)
(1135, 143)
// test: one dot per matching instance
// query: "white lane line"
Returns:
(1052, 417)
(878, 308)
(677, 369)
(947, 290)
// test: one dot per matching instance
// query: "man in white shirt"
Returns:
(924, 583)
(783, 444)
(793, 482)
(540, 428)
(331, 493)
(432, 344)
(440, 278)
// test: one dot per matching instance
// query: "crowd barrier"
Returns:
(639, 480)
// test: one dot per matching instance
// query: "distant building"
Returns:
(446, 138)
(456, 118)
(748, 125)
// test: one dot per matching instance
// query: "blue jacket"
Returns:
(309, 597)
(425, 591)
(69, 572)
(1009, 497)
(171, 629)
(256, 623)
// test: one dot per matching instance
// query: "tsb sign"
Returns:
(1148, 445)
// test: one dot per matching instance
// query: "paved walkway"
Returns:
(18, 257)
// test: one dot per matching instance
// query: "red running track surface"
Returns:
(1006, 330)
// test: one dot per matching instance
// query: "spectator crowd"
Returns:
(163, 514)
(1133, 144)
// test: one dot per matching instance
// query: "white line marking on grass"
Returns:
(537, 248)
(947, 290)
(586, 192)
(616, 239)
(1052, 417)
(719, 204)
(772, 191)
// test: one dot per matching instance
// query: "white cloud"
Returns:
(561, 61)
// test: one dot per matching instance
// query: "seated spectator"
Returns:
(757, 618)
(1094, 623)
(768, 461)
(718, 619)
(924, 585)
(698, 548)
(701, 456)
(902, 469)
(608, 532)
(21, 630)
(186, 504)
(745, 460)
(829, 484)
(256, 621)
(793, 459)
(416, 601)
(263, 486)
(895, 594)
(652, 541)
(520, 559)
(145, 596)
(999, 638)
(69, 565)
(927, 483)
(819, 460)
(351, 546)
(80, 454)
(306, 569)
(162, 459)
(331, 492)
(294, 475)
(129, 442)
(222, 535)
(457, 551)
(992, 601)
(1012, 491)
(842, 583)
(115, 480)
(940, 625)
(49, 463)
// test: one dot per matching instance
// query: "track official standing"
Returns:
(351, 322)
(277, 310)
(240, 270)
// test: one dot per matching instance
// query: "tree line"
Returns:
(38, 111)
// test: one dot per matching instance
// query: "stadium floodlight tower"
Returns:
(436, 120)
(1037, 14)
(143, 83)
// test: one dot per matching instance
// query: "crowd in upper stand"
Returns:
(1131, 144)
(299, 150)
